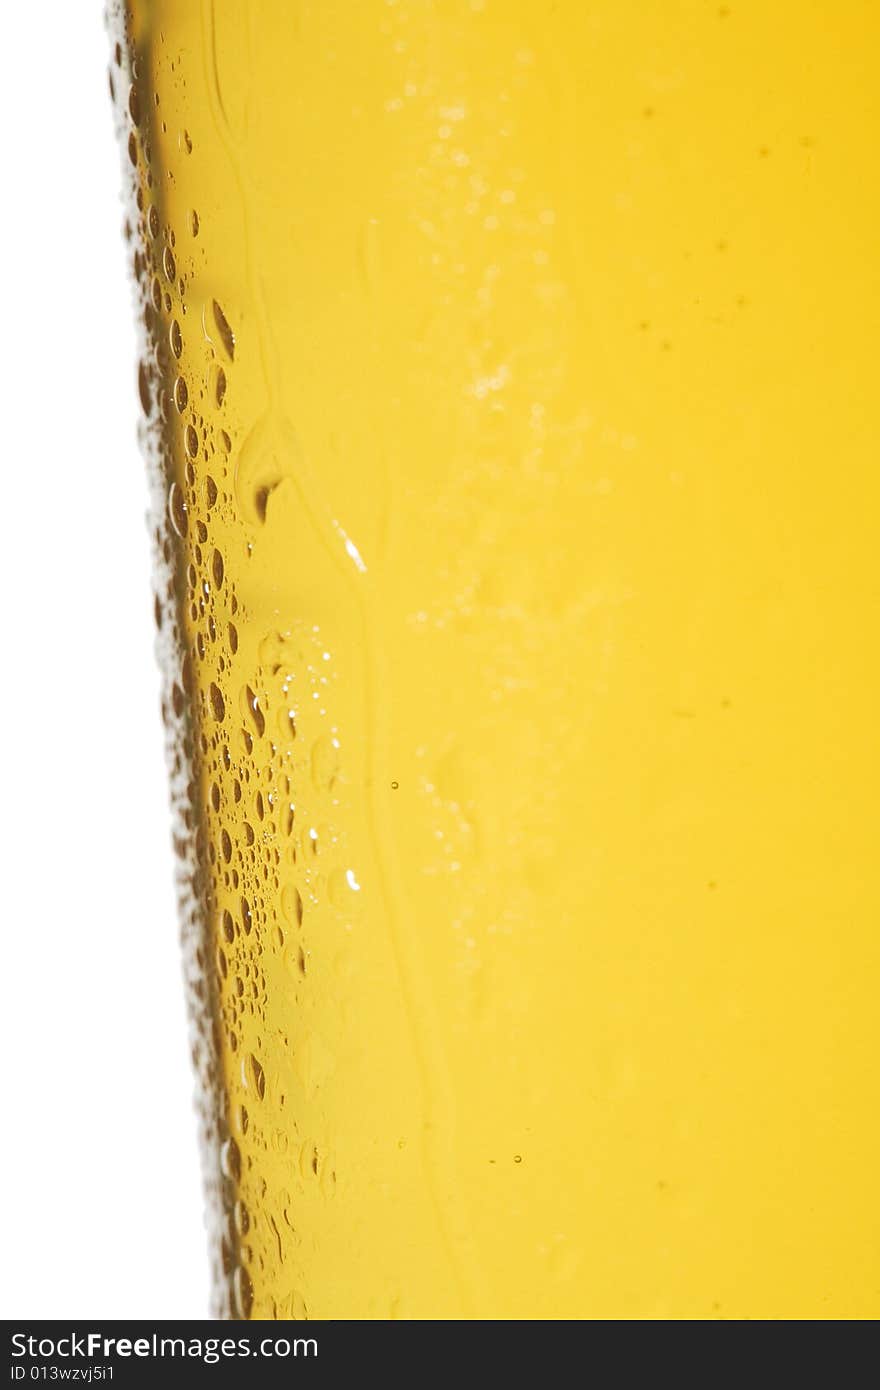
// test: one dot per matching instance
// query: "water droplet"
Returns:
(324, 763)
(241, 1218)
(287, 723)
(144, 388)
(227, 337)
(230, 1160)
(218, 706)
(243, 1291)
(292, 904)
(252, 707)
(177, 510)
(268, 455)
(258, 1077)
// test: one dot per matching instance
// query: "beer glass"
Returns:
(509, 407)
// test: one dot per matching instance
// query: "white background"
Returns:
(102, 1203)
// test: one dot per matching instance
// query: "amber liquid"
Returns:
(509, 381)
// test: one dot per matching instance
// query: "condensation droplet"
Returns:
(230, 1160)
(252, 706)
(218, 707)
(177, 510)
(227, 337)
(258, 1077)
(324, 763)
(292, 904)
(243, 1291)
(144, 388)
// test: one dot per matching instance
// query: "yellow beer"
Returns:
(509, 378)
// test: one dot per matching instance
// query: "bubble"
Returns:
(210, 491)
(191, 441)
(233, 638)
(168, 264)
(134, 104)
(218, 706)
(225, 845)
(177, 510)
(132, 148)
(227, 337)
(194, 222)
(175, 337)
(153, 220)
(228, 926)
(181, 394)
(187, 141)
(217, 569)
(246, 917)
